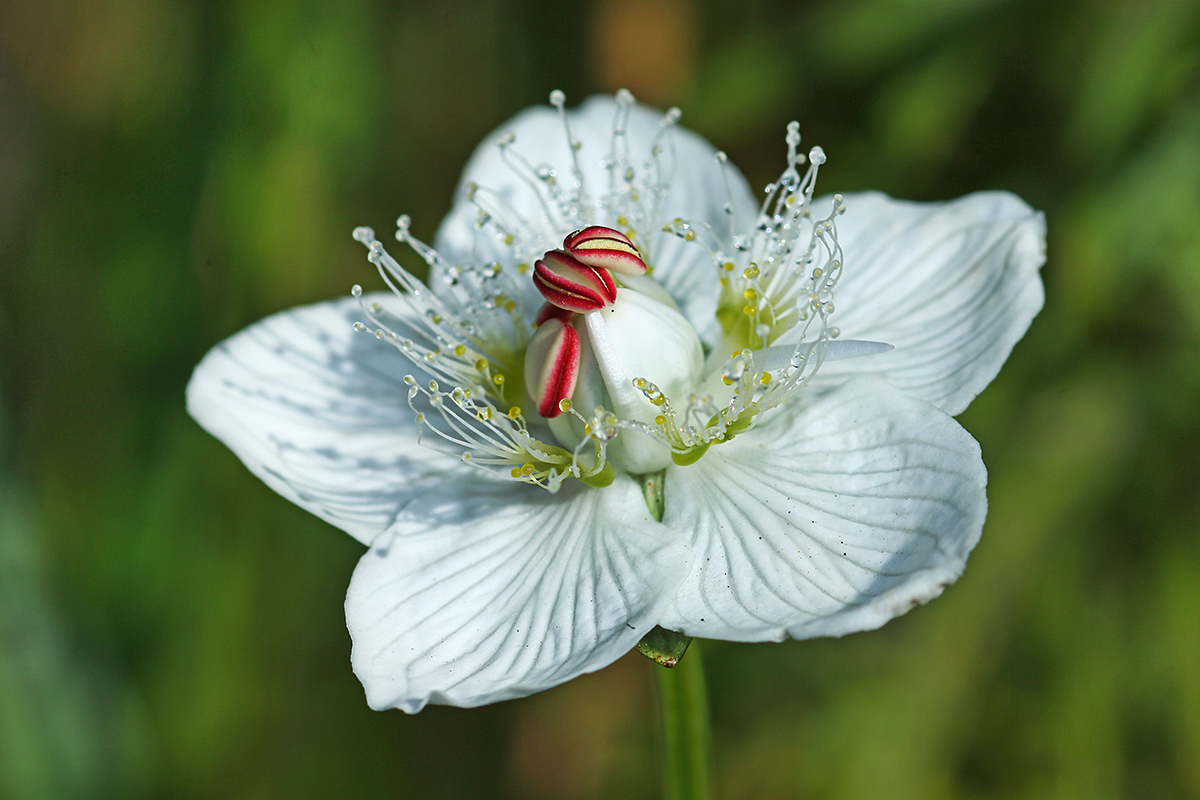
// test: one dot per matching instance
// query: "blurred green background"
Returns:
(173, 171)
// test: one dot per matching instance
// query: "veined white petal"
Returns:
(700, 190)
(829, 518)
(504, 590)
(952, 285)
(317, 411)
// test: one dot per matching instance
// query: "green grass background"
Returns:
(172, 171)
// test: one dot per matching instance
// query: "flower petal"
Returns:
(497, 590)
(952, 285)
(698, 193)
(831, 518)
(317, 411)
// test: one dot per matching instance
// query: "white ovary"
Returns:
(635, 337)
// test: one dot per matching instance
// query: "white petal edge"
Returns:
(953, 286)
(484, 593)
(698, 193)
(828, 519)
(317, 411)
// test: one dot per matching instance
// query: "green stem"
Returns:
(681, 692)
(684, 704)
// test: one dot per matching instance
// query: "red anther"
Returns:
(568, 283)
(552, 365)
(605, 248)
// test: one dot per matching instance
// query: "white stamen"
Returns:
(778, 280)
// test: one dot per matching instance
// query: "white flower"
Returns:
(807, 493)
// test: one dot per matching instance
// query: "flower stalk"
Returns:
(682, 695)
(687, 734)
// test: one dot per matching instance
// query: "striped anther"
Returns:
(598, 246)
(570, 284)
(552, 365)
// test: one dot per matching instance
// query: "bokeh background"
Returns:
(171, 171)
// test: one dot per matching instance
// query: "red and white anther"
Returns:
(605, 248)
(578, 277)
(570, 284)
(552, 361)
(575, 280)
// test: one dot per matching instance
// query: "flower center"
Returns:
(613, 375)
(595, 340)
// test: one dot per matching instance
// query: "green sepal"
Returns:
(660, 645)
(664, 647)
(652, 490)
